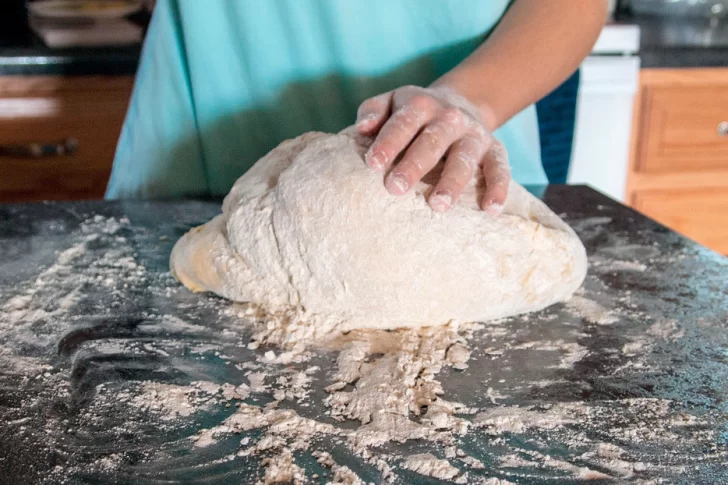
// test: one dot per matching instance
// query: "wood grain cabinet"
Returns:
(58, 135)
(679, 165)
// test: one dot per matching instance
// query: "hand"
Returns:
(428, 124)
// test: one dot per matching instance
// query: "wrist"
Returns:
(479, 108)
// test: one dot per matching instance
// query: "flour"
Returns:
(666, 329)
(47, 301)
(428, 465)
(572, 351)
(388, 390)
(617, 265)
(517, 420)
(342, 474)
(591, 311)
(401, 383)
(282, 469)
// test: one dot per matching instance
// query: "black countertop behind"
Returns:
(39, 60)
(680, 42)
(667, 43)
(23, 53)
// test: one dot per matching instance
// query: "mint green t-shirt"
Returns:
(222, 82)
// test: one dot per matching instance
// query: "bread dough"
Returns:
(310, 228)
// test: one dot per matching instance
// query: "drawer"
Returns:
(93, 117)
(685, 128)
(700, 214)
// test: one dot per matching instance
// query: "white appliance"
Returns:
(608, 83)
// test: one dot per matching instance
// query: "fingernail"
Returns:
(377, 160)
(441, 201)
(494, 209)
(397, 184)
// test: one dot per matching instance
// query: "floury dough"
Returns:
(311, 229)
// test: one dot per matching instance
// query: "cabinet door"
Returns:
(685, 129)
(90, 112)
(701, 214)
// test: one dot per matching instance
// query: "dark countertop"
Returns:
(41, 60)
(23, 53)
(91, 320)
(672, 43)
(680, 42)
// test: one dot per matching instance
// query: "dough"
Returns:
(311, 229)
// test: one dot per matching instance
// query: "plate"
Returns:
(84, 9)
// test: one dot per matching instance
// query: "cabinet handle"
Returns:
(38, 150)
(723, 128)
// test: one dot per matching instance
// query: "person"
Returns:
(222, 82)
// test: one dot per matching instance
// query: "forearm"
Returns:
(536, 46)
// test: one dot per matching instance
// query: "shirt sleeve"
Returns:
(159, 153)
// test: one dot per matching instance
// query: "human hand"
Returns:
(428, 124)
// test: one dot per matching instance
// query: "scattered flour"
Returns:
(591, 311)
(514, 419)
(429, 465)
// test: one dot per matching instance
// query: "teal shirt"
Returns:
(222, 82)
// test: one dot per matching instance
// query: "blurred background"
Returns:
(644, 120)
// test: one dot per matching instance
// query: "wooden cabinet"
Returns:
(51, 110)
(679, 163)
(702, 214)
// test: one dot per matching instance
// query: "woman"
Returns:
(222, 82)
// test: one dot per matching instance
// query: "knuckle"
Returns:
(471, 145)
(476, 128)
(433, 137)
(465, 161)
(467, 155)
(371, 103)
(453, 116)
(421, 102)
(365, 112)
(465, 166)
(408, 117)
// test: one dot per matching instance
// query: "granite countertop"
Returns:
(110, 370)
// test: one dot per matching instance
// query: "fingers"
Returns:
(425, 151)
(373, 112)
(497, 173)
(399, 130)
(412, 119)
(460, 165)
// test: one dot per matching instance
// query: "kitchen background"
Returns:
(645, 120)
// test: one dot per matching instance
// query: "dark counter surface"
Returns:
(665, 43)
(39, 60)
(109, 368)
(677, 42)
(23, 53)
